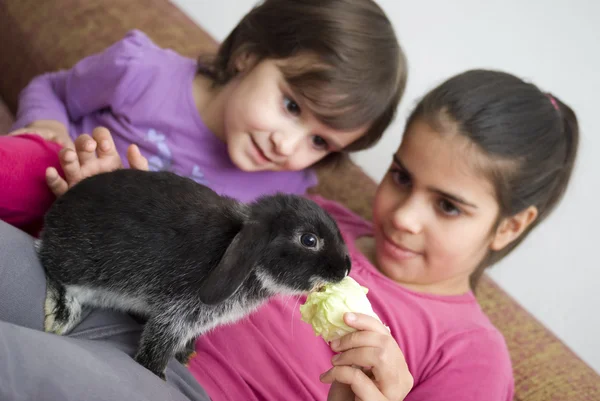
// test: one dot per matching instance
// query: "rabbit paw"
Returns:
(185, 357)
(61, 313)
(50, 324)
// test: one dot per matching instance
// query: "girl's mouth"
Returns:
(260, 157)
(396, 251)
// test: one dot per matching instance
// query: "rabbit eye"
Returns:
(309, 240)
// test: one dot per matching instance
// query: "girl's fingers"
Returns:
(85, 146)
(355, 340)
(107, 151)
(362, 387)
(360, 321)
(69, 161)
(340, 392)
(384, 366)
(373, 348)
(55, 182)
(360, 339)
(365, 357)
(135, 158)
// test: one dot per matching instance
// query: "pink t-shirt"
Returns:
(453, 351)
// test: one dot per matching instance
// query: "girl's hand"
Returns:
(370, 365)
(92, 155)
(50, 130)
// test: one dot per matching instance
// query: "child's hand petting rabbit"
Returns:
(176, 252)
(91, 155)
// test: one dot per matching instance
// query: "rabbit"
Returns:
(173, 251)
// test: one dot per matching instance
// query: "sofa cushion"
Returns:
(40, 36)
(6, 118)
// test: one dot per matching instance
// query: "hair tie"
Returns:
(553, 101)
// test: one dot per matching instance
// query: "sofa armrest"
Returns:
(545, 369)
(6, 118)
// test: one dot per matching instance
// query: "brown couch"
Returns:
(38, 36)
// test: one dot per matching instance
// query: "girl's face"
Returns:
(434, 215)
(267, 126)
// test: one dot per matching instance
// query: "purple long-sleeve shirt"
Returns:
(143, 95)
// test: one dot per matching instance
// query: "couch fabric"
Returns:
(40, 36)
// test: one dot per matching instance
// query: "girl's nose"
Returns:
(408, 215)
(286, 143)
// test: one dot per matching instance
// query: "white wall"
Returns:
(555, 274)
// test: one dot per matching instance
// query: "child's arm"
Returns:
(384, 376)
(103, 80)
(40, 98)
(42, 105)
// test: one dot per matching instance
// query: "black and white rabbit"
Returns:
(174, 251)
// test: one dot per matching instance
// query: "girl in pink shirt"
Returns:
(484, 159)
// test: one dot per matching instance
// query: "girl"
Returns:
(484, 159)
(277, 97)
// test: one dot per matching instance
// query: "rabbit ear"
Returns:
(235, 266)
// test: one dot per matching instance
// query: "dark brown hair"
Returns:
(359, 70)
(529, 138)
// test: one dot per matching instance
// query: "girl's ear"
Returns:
(512, 227)
(245, 61)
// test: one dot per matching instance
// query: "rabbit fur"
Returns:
(175, 252)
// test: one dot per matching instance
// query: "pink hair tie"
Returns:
(553, 101)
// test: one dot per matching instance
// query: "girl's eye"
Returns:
(291, 106)
(401, 177)
(319, 142)
(448, 208)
